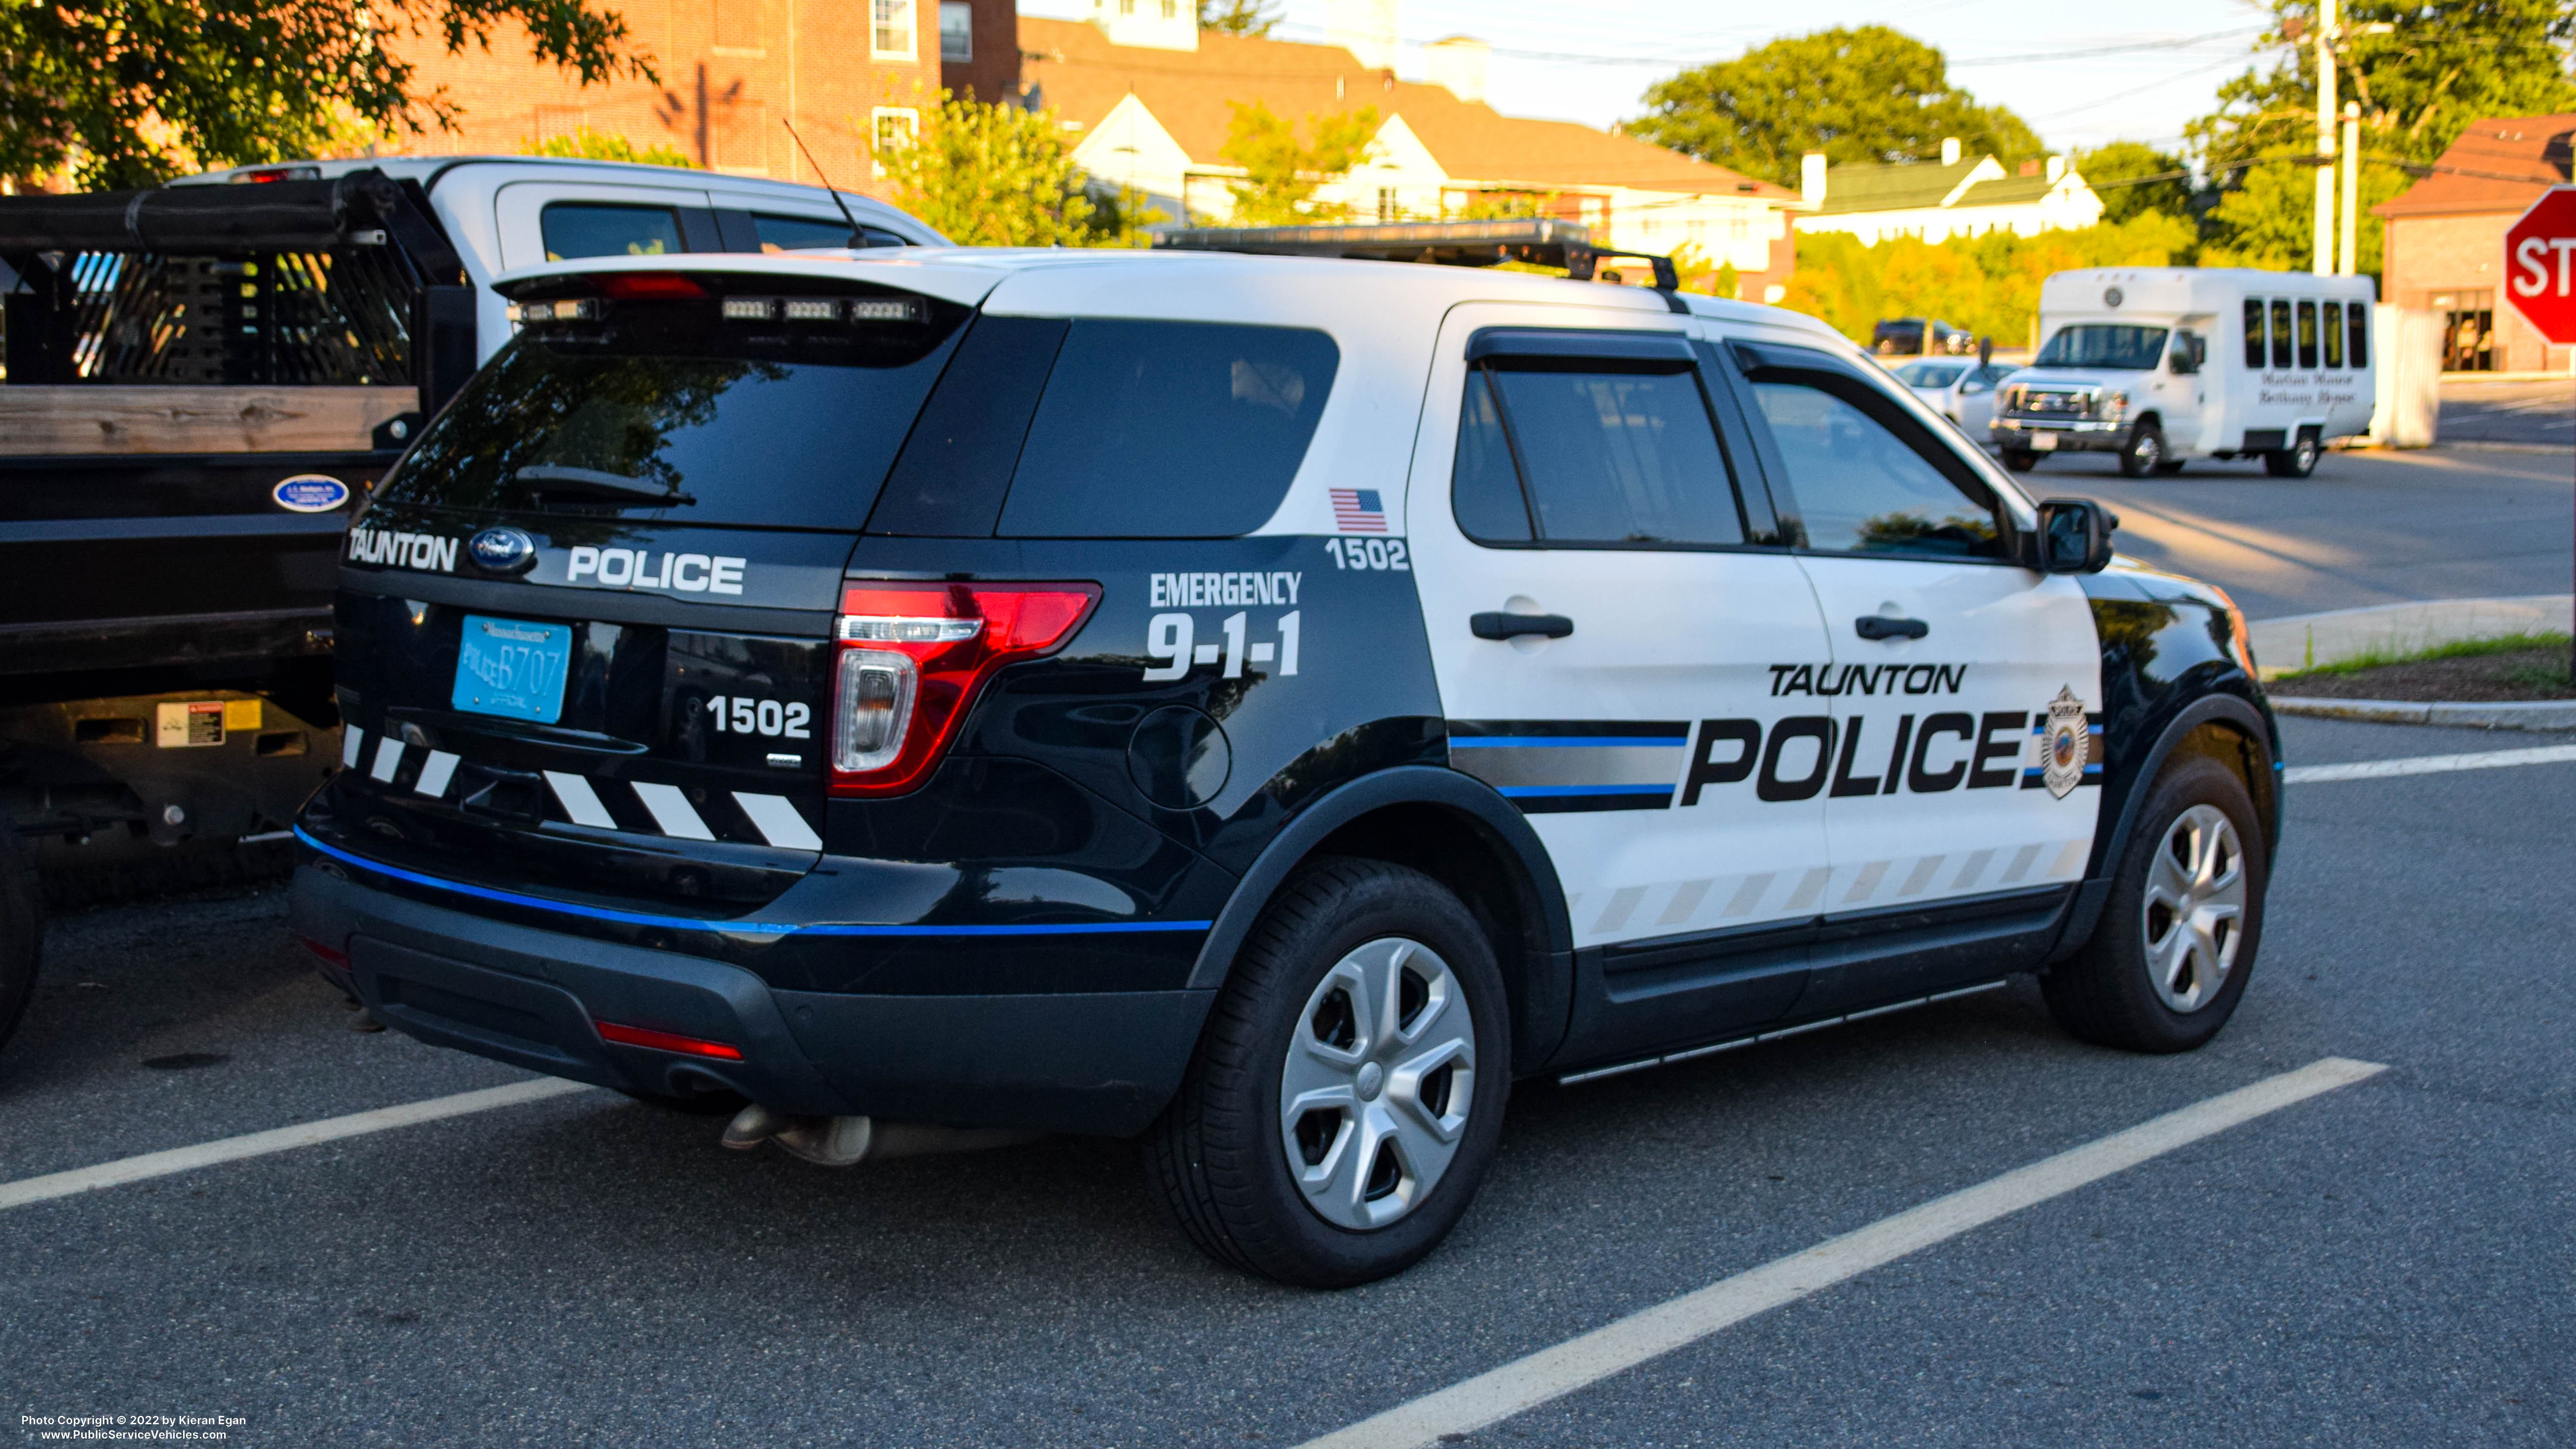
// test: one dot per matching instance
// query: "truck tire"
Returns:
(2020, 460)
(22, 930)
(2295, 461)
(2144, 452)
(1368, 992)
(2168, 960)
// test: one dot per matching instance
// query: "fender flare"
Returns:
(2208, 709)
(1399, 785)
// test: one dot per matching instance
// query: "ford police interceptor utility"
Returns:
(1269, 704)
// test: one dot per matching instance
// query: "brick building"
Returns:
(2445, 246)
(849, 77)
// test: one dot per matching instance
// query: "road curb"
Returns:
(2538, 714)
(2477, 445)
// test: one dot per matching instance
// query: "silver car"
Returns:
(1958, 388)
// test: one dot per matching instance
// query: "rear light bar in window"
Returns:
(579, 309)
(663, 1041)
(822, 309)
(912, 655)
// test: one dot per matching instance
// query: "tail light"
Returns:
(665, 1041)
(912, 656)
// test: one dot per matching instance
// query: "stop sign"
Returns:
(2540, 264)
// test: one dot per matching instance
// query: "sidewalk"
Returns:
(2282, 645)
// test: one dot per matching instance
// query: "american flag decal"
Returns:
(1358, 510)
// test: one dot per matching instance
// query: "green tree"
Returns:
(998, 176)
(1988, 284)
(2444, 64)
(1238, 17)
(589, 145)
(129, 92)
(2133, 179)
(1857, 94)
(1282, 173)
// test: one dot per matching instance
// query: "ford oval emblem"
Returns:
(502, 550)
(310, 493)
(2112, 297)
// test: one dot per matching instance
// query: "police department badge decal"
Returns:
(2067, 744)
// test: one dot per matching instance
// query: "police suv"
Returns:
(1269, 704)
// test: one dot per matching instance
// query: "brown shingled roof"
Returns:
(2498, 164)
(1082, 76)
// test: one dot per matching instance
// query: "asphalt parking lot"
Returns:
(2386, 1263)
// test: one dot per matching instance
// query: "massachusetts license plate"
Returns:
(2043, 442)
(512, 669)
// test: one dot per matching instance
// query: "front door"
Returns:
(1962, 687)
(1604, 606)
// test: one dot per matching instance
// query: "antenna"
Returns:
(828, 188)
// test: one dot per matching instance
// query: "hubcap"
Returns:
(1379, 1078)
(2195, 908)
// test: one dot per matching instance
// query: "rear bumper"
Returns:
(1102, 1062)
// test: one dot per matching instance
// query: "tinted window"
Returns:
(2307, 334)
(2331, 331)
(2254, 332)
(573, 230)
(1484, 486)
(746, 428)
(1169, 430)
(1861, 488)
(801, 233)
(2096, 344)
(2281, 334)
(2357, 323)
(1618, 456)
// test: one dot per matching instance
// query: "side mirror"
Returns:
(2074, 536)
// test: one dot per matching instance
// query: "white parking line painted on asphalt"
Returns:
(1551, 1373)
(2428, 765)
(282, 1139)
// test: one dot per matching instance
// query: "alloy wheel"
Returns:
(1380, 1077)
(2195, 908)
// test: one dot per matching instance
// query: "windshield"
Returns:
(2095, 344)
(672, 426)
(1930, 374)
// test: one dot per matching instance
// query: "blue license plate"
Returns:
(512, 669)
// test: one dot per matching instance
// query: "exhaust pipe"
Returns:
(849, 1141)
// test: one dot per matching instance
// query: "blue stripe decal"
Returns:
(734, 928)
(1522, 792)
(1559, 742)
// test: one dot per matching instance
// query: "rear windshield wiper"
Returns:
(549, 478)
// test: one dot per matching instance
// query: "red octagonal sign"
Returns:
(2540, 264)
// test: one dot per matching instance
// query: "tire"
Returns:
(22, 930)
(1235, 1168)
(2019, 460)
(2296, 461)
(2147, 980)
(2144, 453)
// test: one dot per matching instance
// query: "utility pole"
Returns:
(2348, 261)
(2326, 109)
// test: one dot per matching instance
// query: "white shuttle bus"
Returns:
(2164, 364)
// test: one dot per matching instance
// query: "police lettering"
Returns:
(423, 551)
(1221, 591)
(1807, 755)
(1828, 680)
(636, 568)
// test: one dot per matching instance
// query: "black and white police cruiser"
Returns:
(1269, 704)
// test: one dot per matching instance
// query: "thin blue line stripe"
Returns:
(1559, 742)
(1523, 792)
(736, 928)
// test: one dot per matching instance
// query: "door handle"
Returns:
(1510, 626)
(1879, 626)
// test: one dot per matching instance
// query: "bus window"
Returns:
(2307, 334)
(2357, 322)
(2253, 332)
(2281, 334)
(2331, 330)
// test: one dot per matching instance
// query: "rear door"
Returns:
(1605, 609)
(1952, 673)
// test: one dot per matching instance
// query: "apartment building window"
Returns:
(891, 129)
(1386, 208)
(890, 31)
(956, 32)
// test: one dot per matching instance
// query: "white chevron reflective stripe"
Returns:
(580, 801)
(672, 811)
(778, 821)
(353, 743)
(388, 759)
(434, 774)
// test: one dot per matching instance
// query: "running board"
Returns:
(1596, 1073)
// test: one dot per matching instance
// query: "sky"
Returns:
(2028, 56)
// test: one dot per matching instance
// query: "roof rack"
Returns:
(1537, 241)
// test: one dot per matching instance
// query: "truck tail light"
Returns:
(912, 655)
